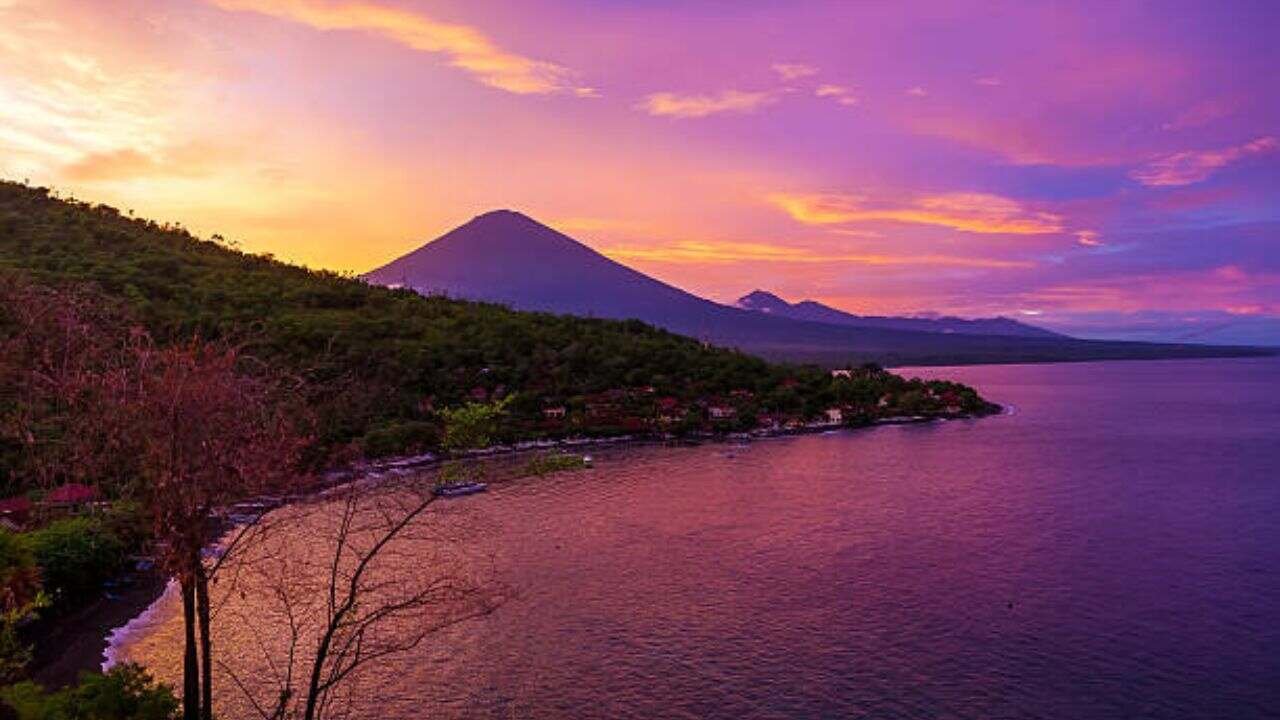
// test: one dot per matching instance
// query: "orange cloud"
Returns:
(698, 106)
(699, 252)
(1185, 168)
(190, 159)
(838, 93)
(112, 165)
(466, 47)
(968, 212)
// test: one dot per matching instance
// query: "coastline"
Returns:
(403, 464)
(75, 643)
(89, 638)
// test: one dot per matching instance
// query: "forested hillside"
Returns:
(390, 360)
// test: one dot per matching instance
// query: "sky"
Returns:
(1109, 169)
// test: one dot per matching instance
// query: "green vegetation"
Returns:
(124, 693)
(75, 556)
(57, 568)
(20, 598)
(553, 462)
(473, 425)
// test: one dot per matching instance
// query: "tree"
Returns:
(472, 425)
(208, 433)
(56, 348)
(362, 574)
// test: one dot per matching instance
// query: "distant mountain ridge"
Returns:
(767, 302)
(509, 258)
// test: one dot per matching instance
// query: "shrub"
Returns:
(410, 436)
(545, 464)
(126, 692)
(75, 556)
(128, 522)
(20, 598)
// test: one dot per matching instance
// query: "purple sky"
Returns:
(1108, 168)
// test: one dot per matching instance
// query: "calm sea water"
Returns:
(1111, 549)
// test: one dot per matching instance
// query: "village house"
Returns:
(835, 416)
(845, 373)
(721, 412)
(554, 412)
(669, 410)
(602, 405)
(71, 498)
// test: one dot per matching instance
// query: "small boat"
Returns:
(586, 461)
(460, 489)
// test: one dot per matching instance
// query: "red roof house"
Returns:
(71, 494)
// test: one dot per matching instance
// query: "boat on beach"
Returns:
(460, 489)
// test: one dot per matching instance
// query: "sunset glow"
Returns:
(1103, 166)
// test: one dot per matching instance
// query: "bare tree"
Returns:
(208, 433)
(342, 584)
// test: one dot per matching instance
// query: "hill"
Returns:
(509, 258)
(811, 311)
(392, 360)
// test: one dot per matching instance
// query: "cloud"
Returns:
(794, 71)
(988, 81)
(1200, 114)
(697, 106)
(467, 48)
(917, 91)
(1088, 238)
(967, 212)
(190, 159)
(704, 252)
(1185, 168)
(839, 93)
(111, 165)
(1227, 288)
(61, 97)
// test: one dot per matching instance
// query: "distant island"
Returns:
(509, 258)
(811, 311)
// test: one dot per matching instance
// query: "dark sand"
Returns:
(68, 645)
